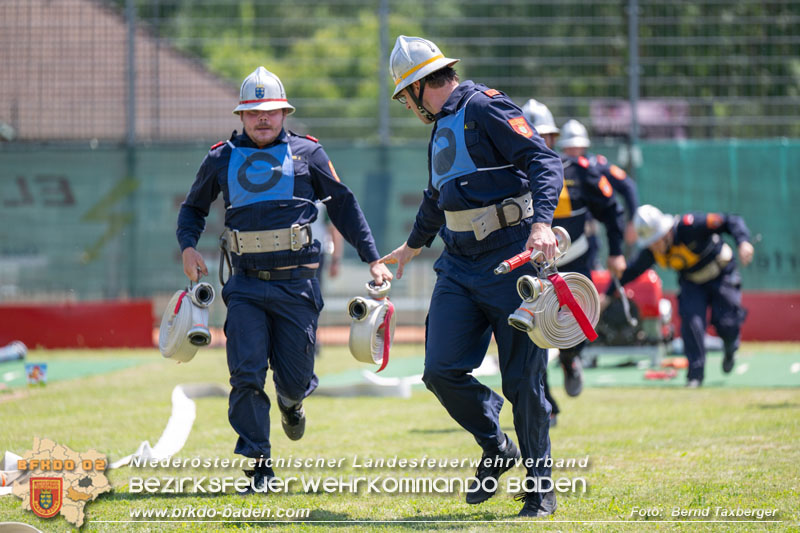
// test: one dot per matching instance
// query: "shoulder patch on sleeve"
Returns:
(582, 161)
(605, 187)
(491, 92)
(602, 159)
(217, 145)
(333, 171)
(311, 138)
(687, 219)
(617, 172)
(713, 220)
(520, 125)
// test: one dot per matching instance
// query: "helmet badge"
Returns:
(260, 92)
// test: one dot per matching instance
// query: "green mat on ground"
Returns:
(12, 373)
(753, 369)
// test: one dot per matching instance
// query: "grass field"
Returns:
(648, 448)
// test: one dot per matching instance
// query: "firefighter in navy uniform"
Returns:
(693, 246)
(493, 185)
(585, 192)
(574, 142)
(270, 179)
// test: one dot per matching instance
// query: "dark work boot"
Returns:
(537, 505)
(729, 360)
(259, 480)
(573, 372)
(492, 465)
(293, 420)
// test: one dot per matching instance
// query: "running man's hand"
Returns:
(401, 256)
(541, 238)
(193, 265)
(745, 253)
(379, 273)
(616, 265)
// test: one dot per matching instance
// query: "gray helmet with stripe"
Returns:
(412, 59)
(540, 117)
(262, 91)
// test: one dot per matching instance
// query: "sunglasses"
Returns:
(402, 99)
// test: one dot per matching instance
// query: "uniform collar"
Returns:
(453, 101)
(245, 141)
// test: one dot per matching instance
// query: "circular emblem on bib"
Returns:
(274, 170)
(444, 150)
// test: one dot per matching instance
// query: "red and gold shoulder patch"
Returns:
(713, 220)
(582, 161)
(688, 219)
(605, 187)
(491, 92)
(521, 126)
(217, 145)
(310, 138)
(617, 172)
(333, 171)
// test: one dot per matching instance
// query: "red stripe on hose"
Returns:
(387, 334)
(178, 305)
(565, 297)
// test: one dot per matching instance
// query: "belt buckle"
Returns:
(294, 234)
(264, 275)
(235, 239)
(501, 215)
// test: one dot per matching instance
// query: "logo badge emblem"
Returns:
(260, 91)
(520, 125)
(46, 496)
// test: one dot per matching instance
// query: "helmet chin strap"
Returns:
(418, 101)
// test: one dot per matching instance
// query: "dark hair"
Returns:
(441, 77)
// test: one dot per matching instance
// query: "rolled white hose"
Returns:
(367, 333)
(184, 325)
(542, 317)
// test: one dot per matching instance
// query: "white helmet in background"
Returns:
(540, 117)
(574, 135)
(412, 59)
(262, 91)
(651, 224)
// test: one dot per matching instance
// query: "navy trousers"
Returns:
(468, 301)
(269, 324)
(724, 295)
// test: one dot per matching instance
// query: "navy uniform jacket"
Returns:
(515, 160)
(620, 181)
(587, 191)
(697, 241)
(262, 197)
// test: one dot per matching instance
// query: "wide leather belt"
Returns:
(713, 269)
(278, 275)
(483, 221)
(255, 242)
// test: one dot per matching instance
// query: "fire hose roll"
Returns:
(541, 315)
(372, 325)
(184, 326)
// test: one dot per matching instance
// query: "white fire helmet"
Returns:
(263, 91)
(412, 59)
(574, 135)
(540, 117)
(651, 224)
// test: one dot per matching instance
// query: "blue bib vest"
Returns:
(260, 175)
(450, 158)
